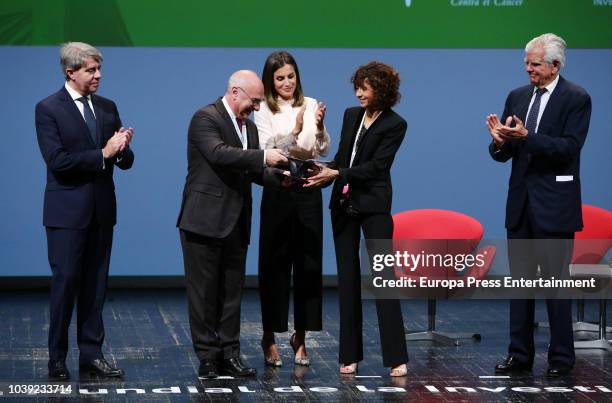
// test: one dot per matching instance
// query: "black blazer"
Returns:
(77, 185)
(369, 177)
(546, 165)
(218, 183)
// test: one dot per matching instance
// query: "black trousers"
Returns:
(528, 248)
(214, 271)
(79, 260)
(291, 239)
(347, 231)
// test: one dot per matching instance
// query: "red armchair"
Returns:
(590, 246)
(417, 229)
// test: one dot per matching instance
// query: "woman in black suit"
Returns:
(361, 200)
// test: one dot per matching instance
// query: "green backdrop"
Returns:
(307, 24)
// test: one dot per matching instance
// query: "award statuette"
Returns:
(300, 169)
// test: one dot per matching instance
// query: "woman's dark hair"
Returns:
(383, 79)
(275, 61)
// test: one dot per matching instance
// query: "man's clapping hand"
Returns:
(494, 126)
(518, 131)
(119, 142)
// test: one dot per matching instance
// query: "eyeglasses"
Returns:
(534, 63)
(538, 63)
(254, 101)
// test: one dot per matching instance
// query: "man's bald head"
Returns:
(243, 78)
(244, 93)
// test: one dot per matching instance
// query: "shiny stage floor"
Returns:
(147, 334)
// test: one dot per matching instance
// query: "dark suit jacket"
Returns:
(77, 185)
(369, 177)
(542, 158)
(218, 183)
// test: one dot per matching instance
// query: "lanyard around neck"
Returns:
(360, 133)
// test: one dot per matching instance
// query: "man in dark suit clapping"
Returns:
(215, 220)
(81, 140)
(544, 202)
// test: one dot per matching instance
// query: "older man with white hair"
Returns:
(542, 129)
(223, 158)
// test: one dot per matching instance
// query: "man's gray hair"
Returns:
(554, 47)
(74, 54)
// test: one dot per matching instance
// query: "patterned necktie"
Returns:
(532, 118)
(90, 119)
(242, 139)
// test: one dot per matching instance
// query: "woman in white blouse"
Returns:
(291, 227)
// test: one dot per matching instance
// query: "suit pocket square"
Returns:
(564, 178)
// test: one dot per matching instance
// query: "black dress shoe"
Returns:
(511, 365)
(235, 367)
(58, 370)
(100, 367)
(208, 369)
(555, 370)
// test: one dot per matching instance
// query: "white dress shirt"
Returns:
(543, 100)
(75, 95)
(275, 129)
(242, 134)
